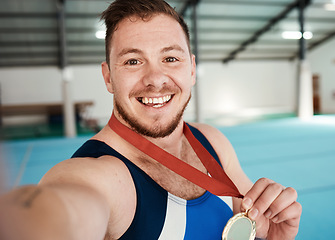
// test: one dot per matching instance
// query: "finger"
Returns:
(290, 215)
(265, 200)
(252, 195)
(285, 199)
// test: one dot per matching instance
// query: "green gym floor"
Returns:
(296, 153)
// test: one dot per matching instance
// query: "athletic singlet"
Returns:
(162, 215)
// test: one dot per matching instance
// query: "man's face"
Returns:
(151, 74)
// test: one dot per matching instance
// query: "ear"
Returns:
(194, 69)
(107, 77)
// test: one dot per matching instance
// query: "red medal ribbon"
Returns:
(219, 183)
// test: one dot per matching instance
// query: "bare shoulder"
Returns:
(109, 177)
(99, 173)
(204, 128)
(83, 168)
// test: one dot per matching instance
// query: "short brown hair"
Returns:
(121, 9)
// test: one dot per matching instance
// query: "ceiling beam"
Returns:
(321, 41)
(51, 43)
(301, 17)
(237, 42)
(232, 17)
(247, 3)
(183, 9)
(34, 30)
(62, 34)
(46, 15)
(263, 30)
(260, 18)
(29, 63)
(27, 15)
(51, 54)
(187, 4)
(70, 30)
(30, 55)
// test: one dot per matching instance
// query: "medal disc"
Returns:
(239, 227)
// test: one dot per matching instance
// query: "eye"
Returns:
(171, 59)
(132, 62)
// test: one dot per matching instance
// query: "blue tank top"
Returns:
(162, 215)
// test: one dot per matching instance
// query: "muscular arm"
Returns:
(52, 212)
(77, 199)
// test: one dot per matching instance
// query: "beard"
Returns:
(156, 131)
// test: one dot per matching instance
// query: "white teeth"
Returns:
(158, 101)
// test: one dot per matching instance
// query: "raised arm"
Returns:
(77, 199)
(62, 211)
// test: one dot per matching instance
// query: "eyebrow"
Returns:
(138, 51)
(173, 47)
(128, 51)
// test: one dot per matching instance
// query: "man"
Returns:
(112, 190)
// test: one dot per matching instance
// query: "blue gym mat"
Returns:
(296, 153)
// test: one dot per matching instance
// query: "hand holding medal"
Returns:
(275, 209)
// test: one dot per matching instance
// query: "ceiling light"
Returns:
(291, 35)
(307, 35)
(329, 6)
(100, 34)
(296, 35)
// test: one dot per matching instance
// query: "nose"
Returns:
(154, 76)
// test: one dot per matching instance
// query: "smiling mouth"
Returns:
(155, 102)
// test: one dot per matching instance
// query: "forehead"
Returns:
(152, 32)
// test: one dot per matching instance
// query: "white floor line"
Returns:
(23, 165)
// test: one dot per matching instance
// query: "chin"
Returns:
(155, 128)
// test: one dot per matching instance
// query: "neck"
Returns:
(173, 143)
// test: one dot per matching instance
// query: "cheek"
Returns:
(186, 80)
(124, 84)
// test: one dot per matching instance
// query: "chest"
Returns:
(171, 181)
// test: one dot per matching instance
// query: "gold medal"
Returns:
(239, 227)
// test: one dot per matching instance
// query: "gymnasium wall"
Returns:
(247, 87)
(239, 87)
